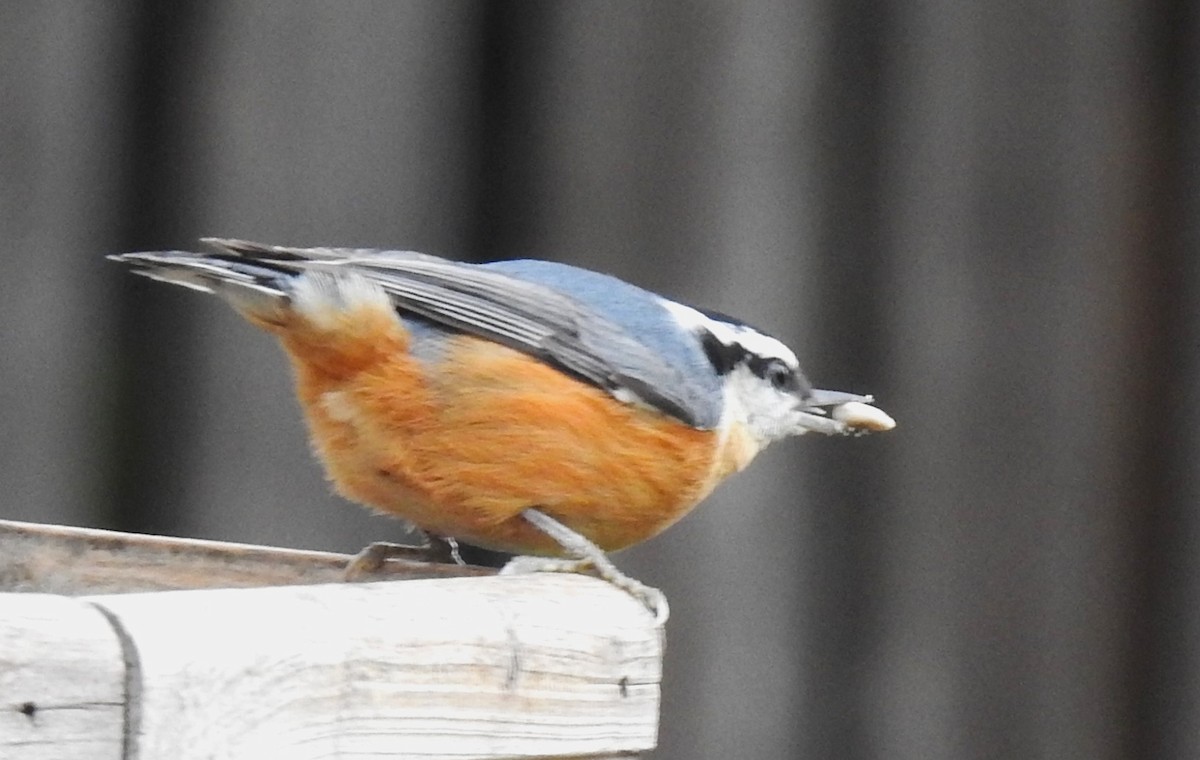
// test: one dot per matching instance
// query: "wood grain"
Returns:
(62, 680)
(67, 560)
(465, 668)
(476, 666)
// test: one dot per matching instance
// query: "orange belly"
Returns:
(461, 446)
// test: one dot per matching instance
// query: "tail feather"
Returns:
(297, 259)
(258, 287)
(256, 279)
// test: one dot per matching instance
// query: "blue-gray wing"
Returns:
(595, 327)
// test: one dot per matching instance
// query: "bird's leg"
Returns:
(584, 555)
(442, 549)
(437, 549)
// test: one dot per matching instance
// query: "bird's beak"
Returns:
(840, 413)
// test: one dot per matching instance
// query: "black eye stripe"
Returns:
(781, 375)
(722, 357)
(725, 357)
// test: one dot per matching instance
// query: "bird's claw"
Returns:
(368, 562)
(652, 599)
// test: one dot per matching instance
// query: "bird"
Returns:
(530, 407)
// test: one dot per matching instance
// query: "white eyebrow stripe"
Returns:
(747, 337)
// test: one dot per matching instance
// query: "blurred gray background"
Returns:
(983, 213)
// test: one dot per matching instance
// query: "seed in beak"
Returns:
(860, 416)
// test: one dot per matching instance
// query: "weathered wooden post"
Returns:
(124, 646)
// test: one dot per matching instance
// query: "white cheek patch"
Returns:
(763, 412)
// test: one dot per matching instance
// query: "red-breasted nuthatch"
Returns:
(525, 406)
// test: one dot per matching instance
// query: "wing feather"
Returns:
(524, 315)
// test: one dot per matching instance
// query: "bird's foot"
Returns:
(588, 558)
(368, 562)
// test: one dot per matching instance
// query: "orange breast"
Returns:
(461, 446)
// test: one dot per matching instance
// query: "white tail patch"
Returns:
(321, 296)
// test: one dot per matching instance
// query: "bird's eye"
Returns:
(780, 376)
